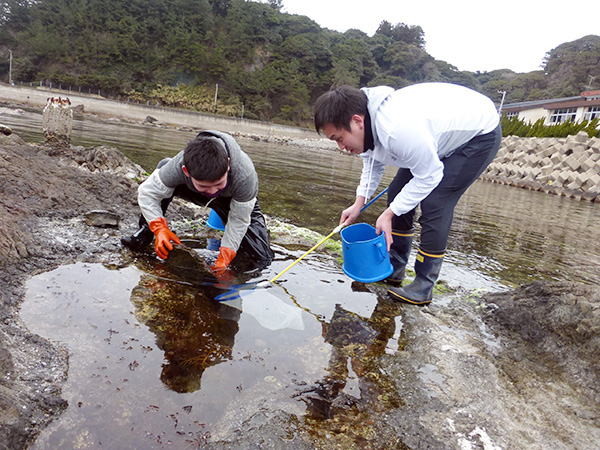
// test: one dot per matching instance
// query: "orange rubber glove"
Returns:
(163, 237)
(225, 257)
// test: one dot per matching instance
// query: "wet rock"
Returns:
(10, 139)
(78, 111)
(5, 130)
(102, 218)
(39, 212)
(104, 158)
(552, 325)
(6, 364)
(150, 119)
(347, 328)
(98, 159)
(186, 263)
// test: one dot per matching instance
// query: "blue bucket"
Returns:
(213, 244)
(214, 221)
(366, 258)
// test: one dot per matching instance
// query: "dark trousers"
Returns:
(255, 244)
(461, 169)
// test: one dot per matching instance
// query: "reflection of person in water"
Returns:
(194, 331)
(362, 342)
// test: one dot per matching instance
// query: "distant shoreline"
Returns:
(168, 117)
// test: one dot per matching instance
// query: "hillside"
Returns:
(268, 65)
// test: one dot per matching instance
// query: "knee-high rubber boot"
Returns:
(140, 239)
(143, 237)
(419, 292)
(399, 253)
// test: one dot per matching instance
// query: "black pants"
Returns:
(461, 169)
(255, 244)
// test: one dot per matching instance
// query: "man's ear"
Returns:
(359, 120)
(185, 171)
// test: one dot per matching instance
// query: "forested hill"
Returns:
(272, 63)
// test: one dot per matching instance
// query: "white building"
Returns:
(585, 106)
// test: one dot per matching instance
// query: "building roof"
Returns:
(554, 103)
(573, 104)
(532, 104)
(590, 93)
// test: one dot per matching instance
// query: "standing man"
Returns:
(440, 136)
(212, 171)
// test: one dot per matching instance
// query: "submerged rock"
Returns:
(5, 130)
(150, 119)
(555, 326)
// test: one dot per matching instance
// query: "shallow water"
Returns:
(156, 363)
(506, 234)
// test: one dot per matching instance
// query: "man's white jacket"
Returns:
(415, 128)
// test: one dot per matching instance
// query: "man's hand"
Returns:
(225, 257)
(384, 224)
(350, 214)
(163, 237)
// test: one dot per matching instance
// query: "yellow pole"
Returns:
(335, 230)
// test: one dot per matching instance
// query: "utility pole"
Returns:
(501, 101)
(215, 101)
(10, 82)
(589, 85)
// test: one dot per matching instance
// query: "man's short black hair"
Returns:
(338, 105)
(206, 158)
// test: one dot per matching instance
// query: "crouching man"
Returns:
(211, 171)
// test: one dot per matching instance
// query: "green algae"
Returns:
(286, 232)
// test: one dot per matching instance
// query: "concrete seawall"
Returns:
(562, 166)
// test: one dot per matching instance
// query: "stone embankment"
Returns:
(562, 166)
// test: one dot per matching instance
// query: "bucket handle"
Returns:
(382, 251)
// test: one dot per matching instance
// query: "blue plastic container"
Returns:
(366, 258)
(214, 221)
(213, 244)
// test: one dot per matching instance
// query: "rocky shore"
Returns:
(44, 195)
(507, 370)
(504, 370)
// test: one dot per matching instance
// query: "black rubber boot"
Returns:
(139, 240)
(399, 253)
(419, 292)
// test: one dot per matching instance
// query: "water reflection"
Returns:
(530, 234)
(174, 300)
(355, 382)
(154, 362)
(192, 330)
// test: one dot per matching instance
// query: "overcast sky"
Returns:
(469, 34)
